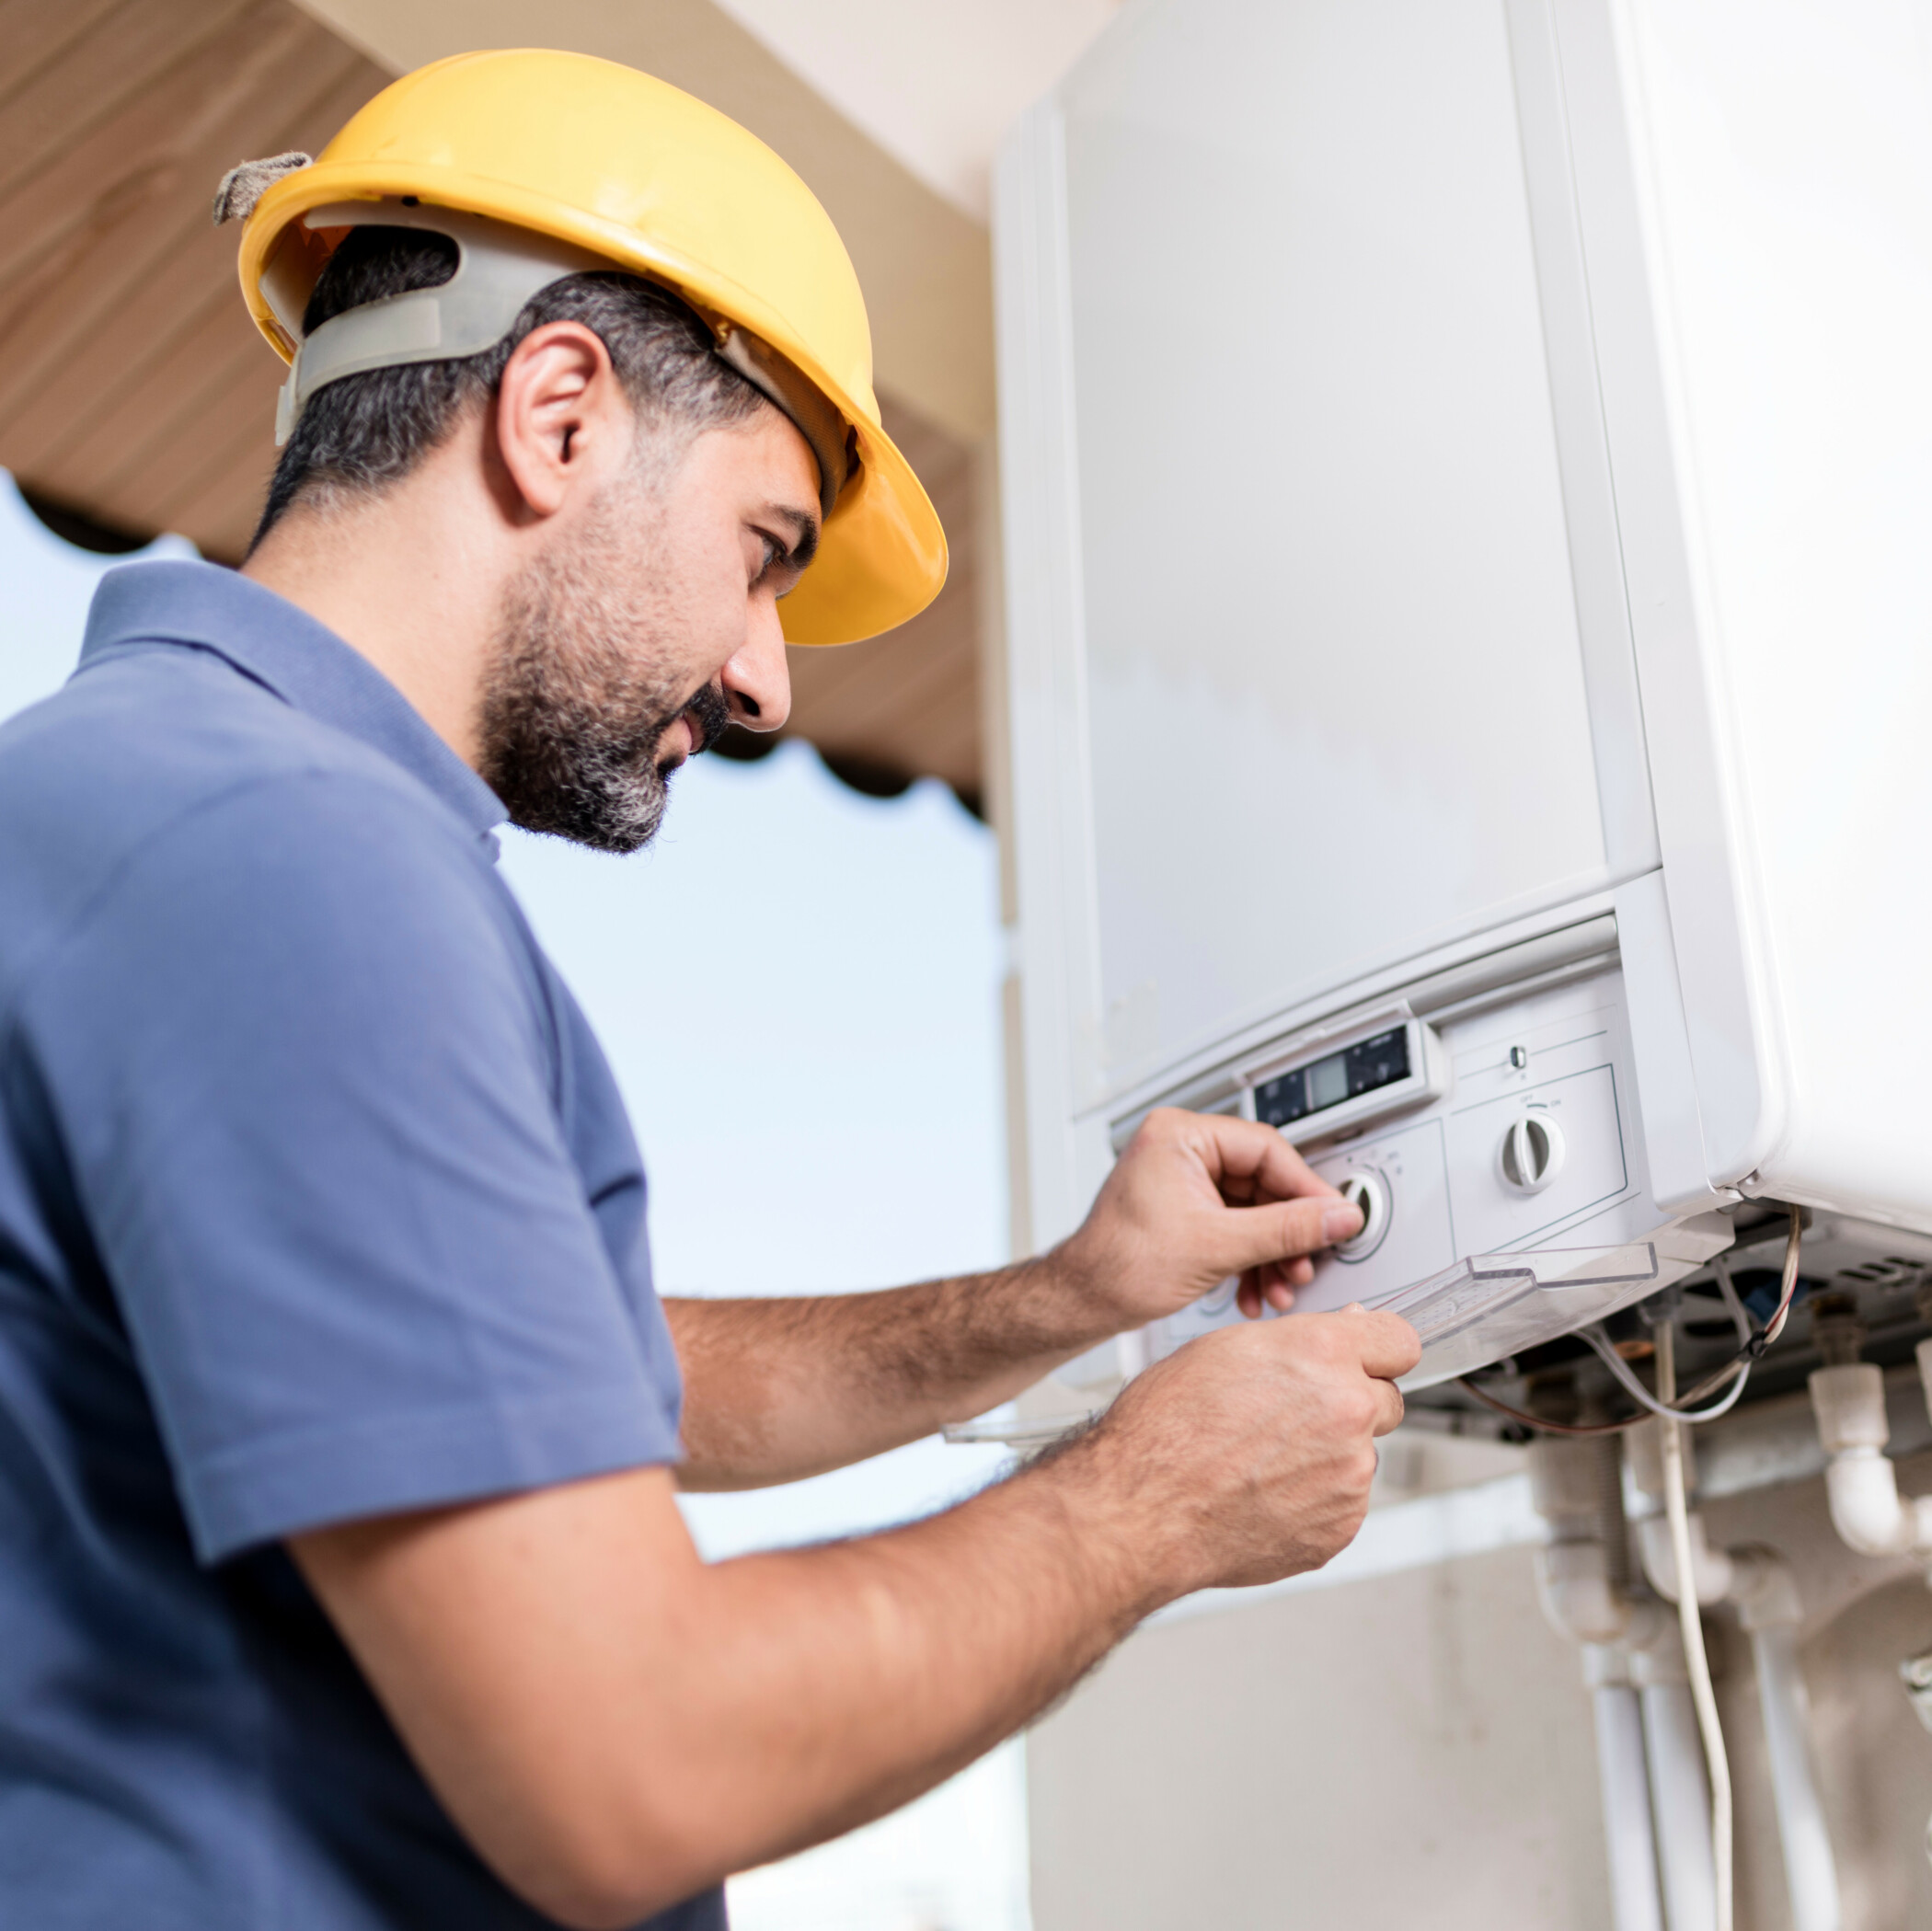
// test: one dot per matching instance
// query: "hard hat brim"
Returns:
(881, 557)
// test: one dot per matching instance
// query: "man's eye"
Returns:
(775, 554)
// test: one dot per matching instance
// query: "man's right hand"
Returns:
(1246, 1455)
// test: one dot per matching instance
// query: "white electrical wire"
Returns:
(1740, 1314)
(1703, 1698)
(1637, 1393)
(1738, 1369)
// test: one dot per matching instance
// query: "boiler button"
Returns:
(1532, 1153)
(1367, 1192)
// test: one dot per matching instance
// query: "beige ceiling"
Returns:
(934, 82)
(135, 393)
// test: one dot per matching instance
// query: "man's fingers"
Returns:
(1383, 1345)
(1388, 1345)
(1388, 1400)
(1253, 1236)
(1255, 1156)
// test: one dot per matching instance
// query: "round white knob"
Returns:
(1532, 1153)
(1365, 1191)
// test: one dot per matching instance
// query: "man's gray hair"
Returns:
(363, 432)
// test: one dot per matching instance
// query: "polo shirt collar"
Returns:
(283, 649)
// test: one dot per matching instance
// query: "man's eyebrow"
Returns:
(805, 534)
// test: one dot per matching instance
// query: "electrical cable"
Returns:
(1753, 1343)
(1649, 1405)
(1740, 1314)
(1670, 1411)
(1758, 1342)
(1787, 1287)
(1696, 1659)
(1554, 1428)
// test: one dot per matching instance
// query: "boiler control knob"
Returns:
(1531, 1152)
(1367, 1192)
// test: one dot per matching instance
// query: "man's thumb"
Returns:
(1284, 1229)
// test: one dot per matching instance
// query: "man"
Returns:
(342, 1584)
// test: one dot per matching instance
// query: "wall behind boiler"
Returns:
(1410, 1749)
(1416, 1748)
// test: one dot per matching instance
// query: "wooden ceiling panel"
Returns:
(178, 446)
(33, 33)
(163, 406)
(135, 391)
(135, 153)
(80, 94)
(128, 366)
(908, 704)
(67, 340)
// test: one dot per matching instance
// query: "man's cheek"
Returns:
(712, 602)
(726, 625)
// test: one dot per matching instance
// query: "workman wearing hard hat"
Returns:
(342, 1584)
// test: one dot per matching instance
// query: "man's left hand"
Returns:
(1194, 1199)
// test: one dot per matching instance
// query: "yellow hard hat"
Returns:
(631, 170)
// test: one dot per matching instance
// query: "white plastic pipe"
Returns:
(1714, 1573)
(1680, 1806)
(1570, 1487)
(1868, 1512)
(1628, 1836)
(1861, 1485)
(1760, 1582)
(1810, 1875)
(1870, 1517)
(1574, 1482)
(1578, 1597)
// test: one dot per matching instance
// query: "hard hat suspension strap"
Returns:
(787, 391)
(498, 267)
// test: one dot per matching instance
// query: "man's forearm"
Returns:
(778, 1389)
(614, 1725)
(911, 1654)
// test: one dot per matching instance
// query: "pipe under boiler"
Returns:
(1680, 1805)
(1811, 1873)
(1628, 1836)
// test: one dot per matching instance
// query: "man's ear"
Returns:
(563, 422)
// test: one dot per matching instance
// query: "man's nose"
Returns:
(757, 681)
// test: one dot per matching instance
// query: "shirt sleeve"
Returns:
(304, 1082)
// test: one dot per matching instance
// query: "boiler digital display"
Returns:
(1357, 1069)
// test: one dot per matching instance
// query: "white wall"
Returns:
(1416, 1748)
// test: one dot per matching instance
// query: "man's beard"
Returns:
(572, 713)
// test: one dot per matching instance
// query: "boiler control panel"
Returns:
(1529, 1142)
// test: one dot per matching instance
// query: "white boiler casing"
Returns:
(1467, 480)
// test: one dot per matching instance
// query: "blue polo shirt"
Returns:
(317, 1200)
